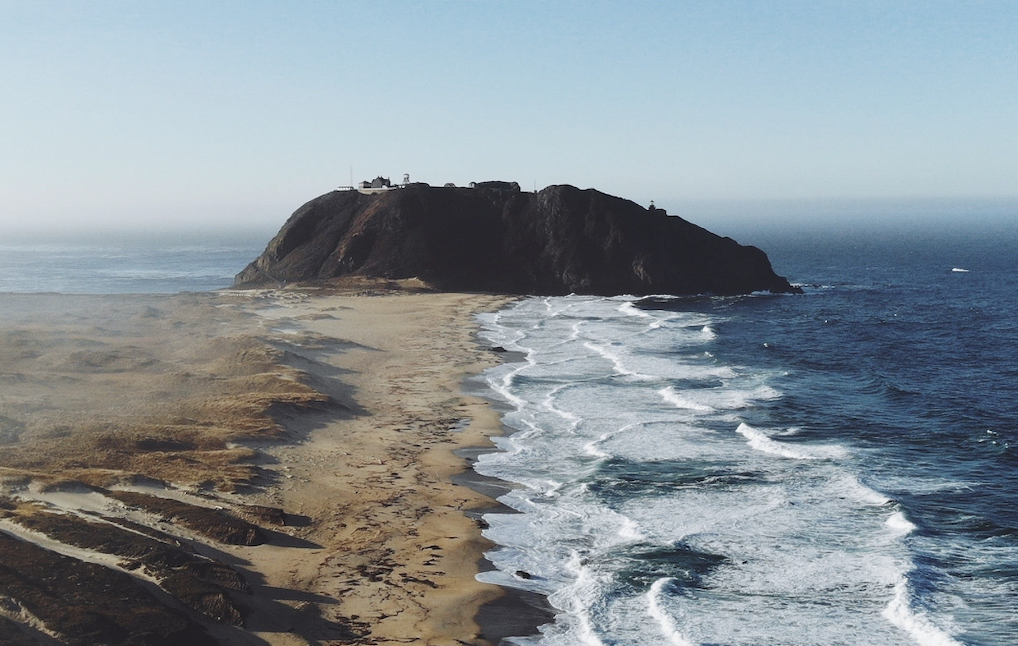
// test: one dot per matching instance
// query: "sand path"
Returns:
(389, 552)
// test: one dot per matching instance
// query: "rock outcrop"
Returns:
(560, 240)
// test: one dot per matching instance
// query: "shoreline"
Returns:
(351, 408)
(516, 612)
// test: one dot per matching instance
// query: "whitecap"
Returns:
(899, 524)
(761, 442)
(655, 608)
(900, 613)
(671, 396)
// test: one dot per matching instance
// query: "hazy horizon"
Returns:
(185, 116)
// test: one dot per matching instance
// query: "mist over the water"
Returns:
(125, 262)
(944, 219)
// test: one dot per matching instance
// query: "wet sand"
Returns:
(338, 411)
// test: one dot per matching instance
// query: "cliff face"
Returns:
(561, 240)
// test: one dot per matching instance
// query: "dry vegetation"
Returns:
(102, 392)
(265, 469)
(114, 390)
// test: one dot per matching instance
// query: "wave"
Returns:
(900, 613)
(616, 359)
(656, 609)
(899, 524)
(673, 397)
(711, 400)
(762, 442)
(624, 445)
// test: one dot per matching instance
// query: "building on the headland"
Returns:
(378, 185)
(382, 184)
(497, 186)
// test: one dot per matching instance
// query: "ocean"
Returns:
(133, 264)
(837, 467)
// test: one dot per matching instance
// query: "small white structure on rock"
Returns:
(378, 185)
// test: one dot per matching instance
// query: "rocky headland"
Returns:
(496, 238)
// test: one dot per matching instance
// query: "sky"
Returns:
(231, 114)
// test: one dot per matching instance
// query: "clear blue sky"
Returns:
(211, 113)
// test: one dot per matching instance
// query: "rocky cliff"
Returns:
(560, 240)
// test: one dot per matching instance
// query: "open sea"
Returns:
(838, 467)
(126, 265)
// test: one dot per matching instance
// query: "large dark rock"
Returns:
(558, 241)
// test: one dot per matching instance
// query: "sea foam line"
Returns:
(762, 442)
(899, 612)
(616, 361)
(669, 628)
(672, 397)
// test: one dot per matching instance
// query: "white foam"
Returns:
(807, 558)
(578, 598)
(761, 442)
(861, 492)
(630, 531)
(549, 404)
(629, 309)
(671, 396)
(900, 613)
(669, 628)
(959, 270)
(593, 448)
(616, 358)
(899, 524)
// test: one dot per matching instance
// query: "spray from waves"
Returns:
(655, 609)
(900, 613)
(762, 442)
(899, 524)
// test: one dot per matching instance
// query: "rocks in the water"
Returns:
(496, 238)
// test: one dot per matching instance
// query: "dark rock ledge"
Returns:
(560, 240)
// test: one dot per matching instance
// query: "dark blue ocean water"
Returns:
(838, 467)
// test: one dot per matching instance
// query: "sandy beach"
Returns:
(318, 426)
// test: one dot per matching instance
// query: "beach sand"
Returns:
(322, 422)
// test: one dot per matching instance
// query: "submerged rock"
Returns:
(560, 240)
